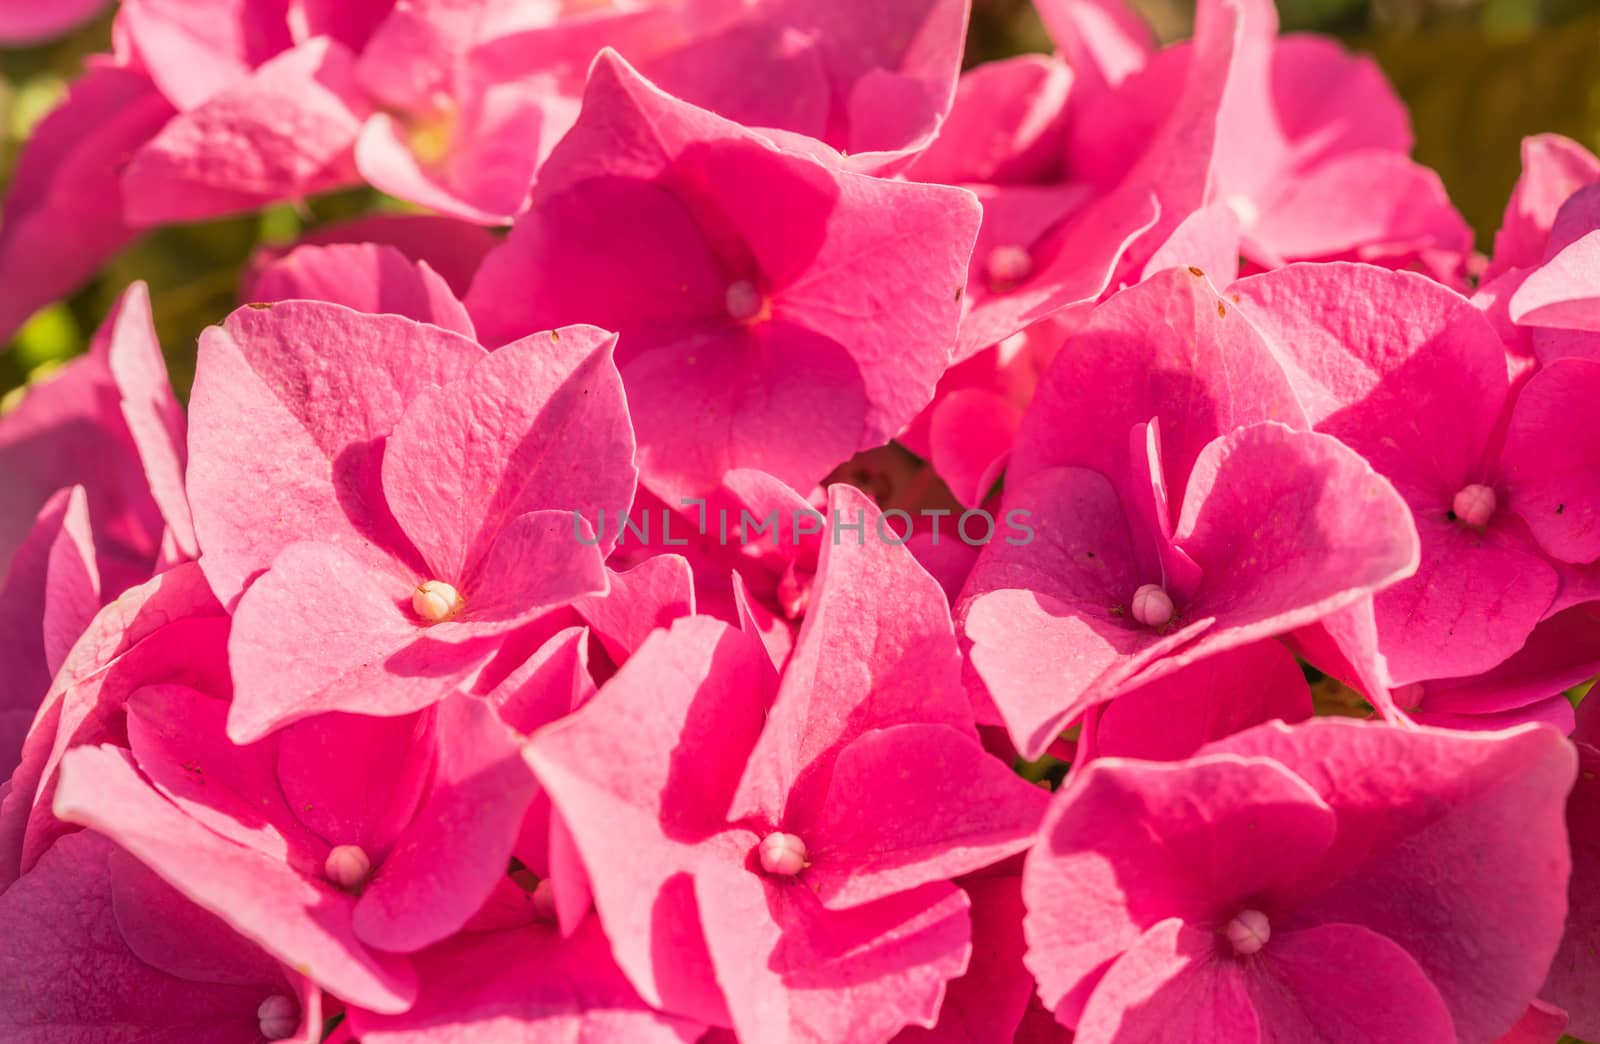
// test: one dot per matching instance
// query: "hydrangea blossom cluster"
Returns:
(844, 566)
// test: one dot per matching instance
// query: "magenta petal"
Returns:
(361, 649)
(67, 177)
(50, 569)
(495, 446)
(1471, 603)
(1345, 984)
(1171, 348)
(1470, 837)
(523, 986)
(1561, 293)
(1179, 713)
(150, 408)
(446, 862)
(1551, 459)
(985, 1005)
(1047, 620)
(286, 376)
(306, 925)
(327, 765)
(179, 743)
(62, 936)
(1128, 844)
(23, 23)
(228, 155)
(1287, 527)
(1553, 168)
(1573, 982)
(913, 804)
(699, 692)
(876, 649)
(1105, 39)
(793, 970)
(1169, 986)
(369, 277)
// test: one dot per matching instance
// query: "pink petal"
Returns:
(496, 445)
(62, 935)
(24, 23)
(369, 277)
(1553, 168)
(69, 177)
(358, 648)
(151, 410)
(303, 924)
(228, 156)
(1170, 348)
(286, 375)
(1005, 125)
(1103, 38)
(939, 806)
(326, 766)
(1169, 983)
(1129, 844)
(1561, 292)
(698, 691)
(1343, 982)
(1469, 836)
(1172, 717)
(985, 1004)
(1551, 460)
(446, 862)
(876, 649)
(792, 969)
(522, 986)
(197, 54)
(852, 298)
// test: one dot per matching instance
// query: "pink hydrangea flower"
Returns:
(781, 836)
(373, 600)
(823, 301)
(1166, 388)
(160, 965)
(1287, 882)
(1419, 387)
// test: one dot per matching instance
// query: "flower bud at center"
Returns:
(1248, 932)
(347, 867)
(744, 301)
(1474, 505)
(783, 855)
(279, 1017)
(1152, 606)
(436, 601)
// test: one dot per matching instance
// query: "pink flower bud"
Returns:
(1152, 606)
(783, 855)
(1007, 266)
(1248, 932)
(1474, 505)
(279, 1017)
(744, 301)
(347, 867)
(436, 601)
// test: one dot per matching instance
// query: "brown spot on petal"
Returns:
(1195, 271)
(1222, 310)
(260, 306)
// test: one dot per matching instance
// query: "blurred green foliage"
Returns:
(1479, 75)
